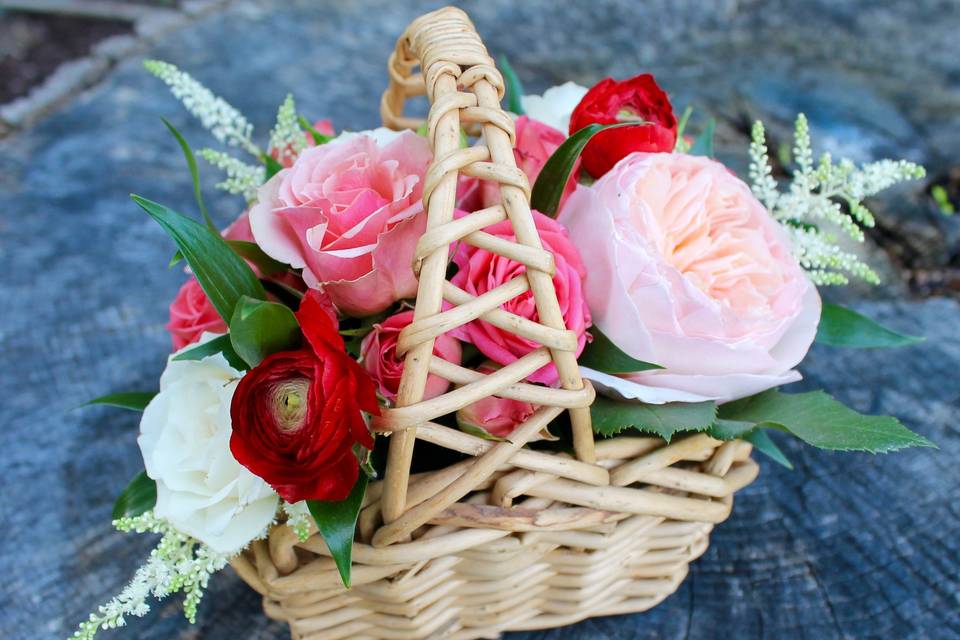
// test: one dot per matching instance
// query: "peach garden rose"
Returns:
(686, 269)
(349, 214)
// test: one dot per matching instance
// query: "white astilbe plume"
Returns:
(811, 207)
(179, 563)
(224, 121)
(242, 178)
(286, 138)
(298, 519)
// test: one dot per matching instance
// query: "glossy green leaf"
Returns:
(222, 274)
(259, 329)
(842, 327)
(819, 420)
(251, 251)
(337, 522)
(318, 138)
(730, 429)
(550, 184)
(132, 400)
(194, 174)
(610, 417)
(762, 442)
(272, 165)
(478, 432)
(604, 356)
(703, 145)
(139, 497)
(513, 85)
(220, 344)
(684, 119)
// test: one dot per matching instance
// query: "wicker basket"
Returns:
(510, 538)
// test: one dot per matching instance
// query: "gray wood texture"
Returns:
(845, 546)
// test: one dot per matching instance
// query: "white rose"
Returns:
(185, 440)
(555, 105)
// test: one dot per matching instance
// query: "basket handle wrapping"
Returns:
(465, 88)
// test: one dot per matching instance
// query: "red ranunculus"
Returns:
(609, 102)
(297, 415)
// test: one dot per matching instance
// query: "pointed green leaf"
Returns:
(703, 145)
(259, 329)
(139, 497)
(762, 442)
(730, 429)
(273, 166)
(194, 174)
(251, 251)
(842, 327)
(514, 86)
(684, 119)
(818, 419)
(220, 344)
(478, 432)
(610, 417)
(604, 356)
(318, 138)
(337, 522)
(550, 184)
(133, 400)
(222, 274)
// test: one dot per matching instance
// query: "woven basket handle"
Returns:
(464, 87)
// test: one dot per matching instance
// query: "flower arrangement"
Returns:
(692, 296)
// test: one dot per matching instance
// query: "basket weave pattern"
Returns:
(509, 538)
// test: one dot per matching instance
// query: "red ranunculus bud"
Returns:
(609, 102)
(297, 415)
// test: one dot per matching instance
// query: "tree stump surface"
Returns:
(844, 546)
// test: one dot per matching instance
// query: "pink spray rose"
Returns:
(349, 214)
(536, 142)
(496, 416)
(191, 314)
(686, 269)
(481, 271)
(378, 355)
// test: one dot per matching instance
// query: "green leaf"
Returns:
(550, 184)
(842, 327)
(194, 174)
(818, 419)
(762, 442)
(514, 87)
(251, 251)
(318, 138)
(479, 432)
(220, 344)
(222, 274)
(684, 119)
(133, 400)
(730, 429)
(139, 497)
(604, 356)
(703, 145)
(337, 522)
(273, 166)
(259, 329)
(611, 417)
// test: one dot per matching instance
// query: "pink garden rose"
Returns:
(481, 271)
(349, 214)
(536, 142)
(686, 269)
(496, 416)
(191, 314)
(378, 355)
